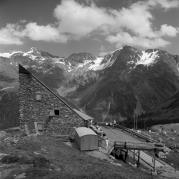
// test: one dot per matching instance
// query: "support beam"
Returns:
(138, 159)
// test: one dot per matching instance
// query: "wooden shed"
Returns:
(86, 138)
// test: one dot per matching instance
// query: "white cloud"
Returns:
(9, 35)
(134, 25)
(44, 33)
(74, 20)
(124, 38)
(166, 4)
(14, 33)
(103, 51)
(136, 19)
(79, 20)
(168, 30)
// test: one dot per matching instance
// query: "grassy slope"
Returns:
(65, 162)
(171, 139)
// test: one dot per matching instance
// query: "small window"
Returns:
(38, 96)
(56, 112)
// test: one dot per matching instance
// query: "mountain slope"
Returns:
(167, 112)
(125, 83)
(136, 78)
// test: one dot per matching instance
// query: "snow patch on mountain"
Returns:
(34, 51)
(144, 58)
(86, 62)
(147, 59)
(99, 65)
(89, 63)
(96, 64)
(7, 88)
(33, 57)
(34, 54)
(9, 54)
(92, 64)
(5, 55)
(59, 60)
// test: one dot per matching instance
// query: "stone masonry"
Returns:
(37, 103)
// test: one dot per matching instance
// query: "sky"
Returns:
(63, 27)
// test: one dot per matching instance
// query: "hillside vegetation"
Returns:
(48, 158)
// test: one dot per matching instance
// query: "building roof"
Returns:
(82, 131)
(23, 70)
(82, 115)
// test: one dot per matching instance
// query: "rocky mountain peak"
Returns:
(77, 58)
(34, 51)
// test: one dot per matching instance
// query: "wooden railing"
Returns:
(138, 146)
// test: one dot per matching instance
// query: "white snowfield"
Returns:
(9, 54)
(144, 58)
(34, 54)
(147, 59)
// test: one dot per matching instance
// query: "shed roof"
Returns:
(83, 115)
(82, 131)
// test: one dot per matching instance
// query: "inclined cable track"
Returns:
(132, 133)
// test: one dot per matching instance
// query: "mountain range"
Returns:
(121, 85)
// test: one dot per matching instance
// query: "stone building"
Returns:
(42, 110)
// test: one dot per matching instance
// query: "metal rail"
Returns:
(142, 136)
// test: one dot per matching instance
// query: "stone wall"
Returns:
(36, 103)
